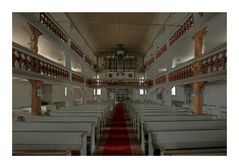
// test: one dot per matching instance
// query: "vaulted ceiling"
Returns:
(103, 31)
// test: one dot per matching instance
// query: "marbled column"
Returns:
(197, 86)
(34, 36)
(36, 100)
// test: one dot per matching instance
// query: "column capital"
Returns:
(199, 35)
(35, 83)
(198, 41)
(34, 36)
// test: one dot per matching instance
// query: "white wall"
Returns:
(217, 31)
(180, 96)
(215, 93)
(58, 93)
(215, 99)
(20, 31)
(46, 93)
(137, 96)
(21, 93)
(77, 94)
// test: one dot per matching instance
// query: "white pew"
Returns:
(62, 119)
(74, 114)
(80, 114)
(43, 141)
(47, 119)
(89, 128)
(170, 118)
(80, 110)
(135, 112)
(164, 109)
(104, 113)
(33, 152)
(179, 126)
(202, 140)
(159, 113)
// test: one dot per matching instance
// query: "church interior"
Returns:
(119, 84)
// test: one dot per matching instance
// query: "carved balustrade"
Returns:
(213, 63)
(182, 73)
(160, 80)
(78, 78)
(51, 26)
(183, 29)
(161, 51)
(118, 82)
(28, 62)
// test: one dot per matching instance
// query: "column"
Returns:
(34, 36)
(168, 87)
(36, 97)
(197, 86)
(69, 96)
(168, 96)
(68, 86)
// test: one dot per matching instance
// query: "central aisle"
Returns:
(117, 142)
(118, 137)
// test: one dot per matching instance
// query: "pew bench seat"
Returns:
(164, 141)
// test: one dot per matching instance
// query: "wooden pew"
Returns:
(170, 118)
(50, 141)
(89, 128)
(206, 141)
(179, 126)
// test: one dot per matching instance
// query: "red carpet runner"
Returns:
(117, 142)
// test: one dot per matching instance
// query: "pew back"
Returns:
(73, 114)
(179, 140)
(179, 126)
(89, 128)
(50, 141)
